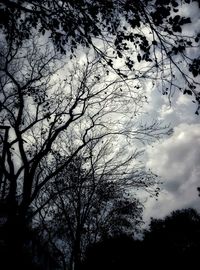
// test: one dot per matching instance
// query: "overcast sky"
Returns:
(176, 159)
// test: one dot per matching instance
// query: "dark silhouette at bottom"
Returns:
(170, 243)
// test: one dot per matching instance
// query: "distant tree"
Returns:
(171, 242)
(93, 199)
(149, 33)
(175, 239)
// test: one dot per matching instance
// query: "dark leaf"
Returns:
(139, 58)
(187, 91)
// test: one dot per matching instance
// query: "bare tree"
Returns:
(42, 102)
(93, 198)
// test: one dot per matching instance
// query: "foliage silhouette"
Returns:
(93, 202)
(176, 238)
(42, 114)
(121, 252)
(173, 242)
(148, 31)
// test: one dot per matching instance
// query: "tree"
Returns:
(120, 252)
(177, 236)
(36, 109)
(93, 199)
(173, 241)
(149, 33)
(43, 102)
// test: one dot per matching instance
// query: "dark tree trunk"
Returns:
(16, 235)
(77, 251)
(16, 231)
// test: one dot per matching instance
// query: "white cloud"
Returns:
(177, 160)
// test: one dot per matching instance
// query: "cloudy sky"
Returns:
(176, 159)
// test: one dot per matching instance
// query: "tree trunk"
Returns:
(77, 252)
(16, 229)
(15, 238)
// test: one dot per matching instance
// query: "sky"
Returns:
(176, 158)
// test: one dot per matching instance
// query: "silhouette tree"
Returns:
(172, 241)
(42, 102)
(175, 239)
(92, 201)
(149, 33)
(120, 252)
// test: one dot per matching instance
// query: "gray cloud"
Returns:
(177, 160)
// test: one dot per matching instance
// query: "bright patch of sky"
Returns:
(176, 158)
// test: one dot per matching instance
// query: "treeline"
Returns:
(173, 241)
(170, 243)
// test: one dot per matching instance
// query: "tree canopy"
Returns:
(147, 32)
(50, 112)
(173, 241)
(91, 201)
(176, 236)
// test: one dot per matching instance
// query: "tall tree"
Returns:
(92, 199)
(41, 101)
